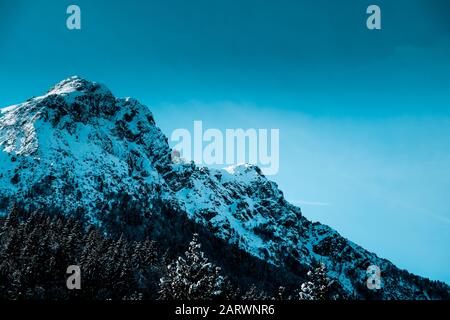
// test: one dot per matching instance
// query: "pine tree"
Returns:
(144, 255)
(318, 285)
(12, 219)
(36, 251)
(253, 293)
(192, 277)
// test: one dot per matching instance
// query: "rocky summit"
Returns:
(78, 149)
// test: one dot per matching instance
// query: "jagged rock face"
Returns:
(78, 147)
(240, 205)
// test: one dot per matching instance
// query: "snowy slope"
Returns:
(77, 144)
(78, 147)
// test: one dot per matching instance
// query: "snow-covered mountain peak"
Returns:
(77, 145)
(78, 149)
(78, 84)
(244, 169)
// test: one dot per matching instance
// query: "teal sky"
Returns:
(364, 116)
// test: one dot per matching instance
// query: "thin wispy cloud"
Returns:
(441, 218)
(309, 203)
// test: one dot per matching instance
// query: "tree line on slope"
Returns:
(36, 249)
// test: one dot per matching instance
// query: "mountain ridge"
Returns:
(78, 148)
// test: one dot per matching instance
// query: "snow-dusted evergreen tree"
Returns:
(253, 293)
(318, 285)
(192, 277)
